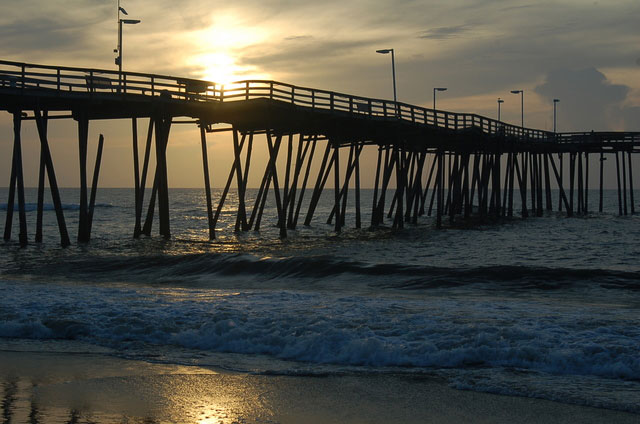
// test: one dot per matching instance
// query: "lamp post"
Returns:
(555, 102)
(434, 94)
(393, 71)
(521, 92)
(119, 49)
(500, 101)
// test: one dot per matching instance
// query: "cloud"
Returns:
(443, 33)
(298, 38)
(588, 101)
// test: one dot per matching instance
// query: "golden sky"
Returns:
(586, 53)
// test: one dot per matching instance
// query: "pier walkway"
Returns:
(462, 163)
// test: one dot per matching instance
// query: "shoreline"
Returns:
(60, 386)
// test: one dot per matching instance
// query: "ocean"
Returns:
(544, 307)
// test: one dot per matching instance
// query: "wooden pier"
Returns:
(453, 165)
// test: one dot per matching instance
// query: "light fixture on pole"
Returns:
(521, 92)
(555, 102)
(500, 101)
(393, 71)
(434, 94)
(119, 49)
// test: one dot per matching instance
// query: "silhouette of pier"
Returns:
(449, 164)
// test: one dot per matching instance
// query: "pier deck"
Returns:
(486, 157)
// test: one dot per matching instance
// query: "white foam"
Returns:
(330, 329)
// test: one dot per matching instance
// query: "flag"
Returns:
(123, 11)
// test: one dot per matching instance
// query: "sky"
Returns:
(585, 53)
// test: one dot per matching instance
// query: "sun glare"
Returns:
(217, 67)
(220, 48)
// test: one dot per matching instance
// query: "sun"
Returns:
(217, 67)
(219, 49)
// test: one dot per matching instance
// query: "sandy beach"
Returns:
(52, 387)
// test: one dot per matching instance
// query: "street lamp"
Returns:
(500, 101)
(555, 102)
(434, 94)
(393, 71)
(521, 92)
(119, 49)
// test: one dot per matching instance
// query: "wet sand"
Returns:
(63, 387)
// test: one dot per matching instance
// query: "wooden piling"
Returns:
(416, 192)
(398, 221)
(300, 156)
(303, 189)
(496, 180)
(580, 185)
(273, 154)
(323, 175)
(533, 168)
(163, 126)
(619, 186)
(440, 191)
(241, 215)
(505, 192)
(375, 189)
(386, 177)
(282, 220)
(241, 219)
(563, 197)
(41, 119)
(547, 183)
(137, 230)
(561, 179)
(40, 204)
(586, 183)
(624, 184)
(572, 168)
(136, 171)
(259, 196)
(522, 186)
(148, 222)
(602, 159)
(475, 178)
(336, 168)
(539, 183)
(631, 201)
(207, 182)
(83, 215)
(426, 187)
(17, 181)
(272, 176)
(94, 184)
(232, 172)
(512, 168)
(357, 177)
(8, 226)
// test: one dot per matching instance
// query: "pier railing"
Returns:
(70, 81)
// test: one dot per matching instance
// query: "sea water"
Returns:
(545, 307)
